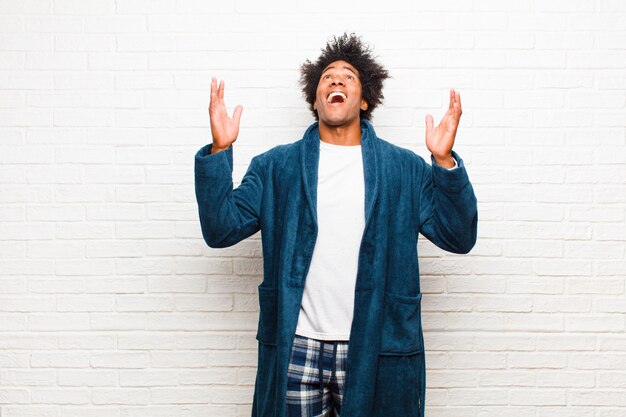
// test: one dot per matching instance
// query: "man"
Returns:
(339, 211)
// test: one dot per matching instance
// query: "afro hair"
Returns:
(351, 49)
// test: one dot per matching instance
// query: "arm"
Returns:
(446, 203)
(227, 216)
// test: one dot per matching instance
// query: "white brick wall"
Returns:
(112, 305)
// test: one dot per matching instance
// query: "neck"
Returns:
(345, 135)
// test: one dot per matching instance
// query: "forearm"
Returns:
(226, 216)
(449, 208)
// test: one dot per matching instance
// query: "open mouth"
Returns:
(336, 97)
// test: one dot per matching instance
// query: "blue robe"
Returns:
(404, 196)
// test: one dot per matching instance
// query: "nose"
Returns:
(336, 80)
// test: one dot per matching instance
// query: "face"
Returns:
(339, 98)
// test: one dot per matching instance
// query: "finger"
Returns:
(429, 122)
(458, 100)
(451, 98)
(220, 90)
(213, 87)
(237, 114)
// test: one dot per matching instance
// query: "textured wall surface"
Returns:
(112, 305)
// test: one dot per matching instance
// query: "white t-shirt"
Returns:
(328, 299)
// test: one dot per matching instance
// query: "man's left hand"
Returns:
(440, 139)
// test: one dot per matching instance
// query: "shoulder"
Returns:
(278, 153)
(395, 153)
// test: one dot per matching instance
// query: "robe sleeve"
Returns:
(227, 216)
(447, 206)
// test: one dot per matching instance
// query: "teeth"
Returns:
(336, 93)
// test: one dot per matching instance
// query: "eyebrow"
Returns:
(348, 68)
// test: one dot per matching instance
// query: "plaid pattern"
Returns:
(315, 379)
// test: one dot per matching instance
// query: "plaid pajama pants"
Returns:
(315, 379)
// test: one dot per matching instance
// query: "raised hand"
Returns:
(224, 129)
(440, 139)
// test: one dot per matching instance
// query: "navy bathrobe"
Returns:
(404, 196)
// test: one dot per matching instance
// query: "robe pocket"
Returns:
(267, 331)
(402, 325)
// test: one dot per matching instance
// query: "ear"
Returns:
(314, 104)
(364, 104)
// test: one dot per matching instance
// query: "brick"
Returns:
(145, 42)
(59, 322)
(586, 285)
(54, 213)
(88, 230)
(506, 411)
(141, 266)
(141, 6)
(21, 118)
(482, 397)
(596, 323)
(84, 267)
(108, 321)
(502, 266)
(534, 360)
(611, 342)
(611, 232)
(143, 303)
(537, 322)
(147, 378)
(56, 61)
(561, 304)
(115, 249)
(13, 322)
(600, 361)
(126, 396)
(117, 61)
(84, 7)
(505, 342)
(56, 99)
(12, 214)
(539, 397)
(534, 248)
(612, 380)
(55, 249)
(481, 284)
(89, 80)
(119, 359)
(106, 284)
(114, 24)
(193, 284)
(595, 214)
(26, 267)
(204, 266)
(25, 42)
(26, 80)
(506, 378)
(87, 378)
(597, 397)
(114, 175)
(173, 248)
(53, 24)
(12, 250)
(122, 212)
(562, 267)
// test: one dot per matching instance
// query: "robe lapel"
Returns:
(311, 159)
(370, 167)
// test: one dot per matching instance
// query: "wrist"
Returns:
(446, 161)
(215, 149)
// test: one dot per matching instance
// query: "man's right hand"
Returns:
(224, 129)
